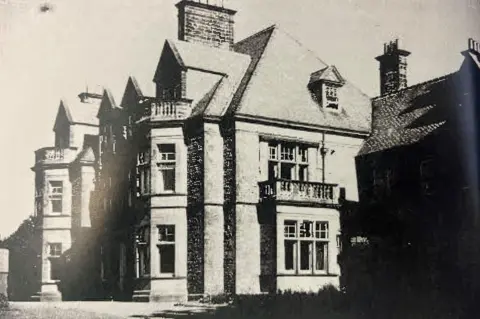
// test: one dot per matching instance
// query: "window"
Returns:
(305, 246)
(166, 248)
(56, 194)
(292, 164)
(166, 162)
(54, 252)
(331, 99)
(143, 251)
(143, 171)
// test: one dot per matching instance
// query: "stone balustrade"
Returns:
(299, 191)
(54, 155)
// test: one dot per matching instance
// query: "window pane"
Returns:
(57, 205)
(168, 179)
(303, 154)
(166, 233)
(321, 230)
(167, 258)
(303, 173)
(290, 229)
(305, 255)
(287, 153)
(55, 268)
(290, 256)
(272, 170)
(321, 256)
(287, 171)
(306, 229)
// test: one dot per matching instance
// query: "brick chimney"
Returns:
(393, 68)
(204, 22)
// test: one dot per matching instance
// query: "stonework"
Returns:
(197, 191)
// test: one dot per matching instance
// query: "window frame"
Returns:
(301, 235)
(54, 196)
(298, 162)
(168, 240)
(166, 161)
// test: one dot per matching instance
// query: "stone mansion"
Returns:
(229, 180)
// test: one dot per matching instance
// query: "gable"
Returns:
(169, 64)
(106, 106)
(278, 90)
(63, 117)
(131, 94)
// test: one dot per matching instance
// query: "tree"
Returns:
(24, 246)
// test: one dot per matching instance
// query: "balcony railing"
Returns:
(299, 191)
(160, 110)
(54, 155)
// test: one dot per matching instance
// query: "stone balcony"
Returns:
(167, 110)
(299, 192)
(55, 155)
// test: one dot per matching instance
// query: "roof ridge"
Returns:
(273, 26)
(314, 54)
(437, 79)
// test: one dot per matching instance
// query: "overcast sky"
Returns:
(45, 56)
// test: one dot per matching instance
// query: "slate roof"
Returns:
(78, 112)
(266, 76)
(276, 86)
(407, 116)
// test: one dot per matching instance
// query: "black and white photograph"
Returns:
(240, 159)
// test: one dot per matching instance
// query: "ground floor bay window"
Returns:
(305, 246)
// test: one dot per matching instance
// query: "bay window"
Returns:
(54, 254)
(305, 246)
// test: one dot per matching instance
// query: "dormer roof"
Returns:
(328, 74)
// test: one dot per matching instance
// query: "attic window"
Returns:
(324, 85)
(331, 99)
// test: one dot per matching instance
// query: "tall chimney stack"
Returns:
(206, 22)
(393, 68)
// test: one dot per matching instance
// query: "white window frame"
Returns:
(296, 154)
(299, 235)
(168, 240)
(166, 161)
(55, 194)
(330, 97)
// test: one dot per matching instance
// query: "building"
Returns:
(418, 171)
(229, 180)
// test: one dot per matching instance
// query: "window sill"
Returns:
(307, 275)
(56, 215)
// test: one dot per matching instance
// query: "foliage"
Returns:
(24, 246)
(3, 302)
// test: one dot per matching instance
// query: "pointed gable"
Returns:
(278, 86)
(107, 104)
(131, 94)
(63, 116)
(169, 59)
(329, 74)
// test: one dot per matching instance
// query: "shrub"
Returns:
(3, 301)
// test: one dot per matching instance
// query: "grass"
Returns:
(50, 313)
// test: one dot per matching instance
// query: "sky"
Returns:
(47, 56)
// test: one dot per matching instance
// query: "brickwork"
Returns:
(207, 24)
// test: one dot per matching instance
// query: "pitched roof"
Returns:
(330, 74)
(408, 115)
(275, 85)
(202, 57)
(86, 155)
(78, 112)
(107, 103)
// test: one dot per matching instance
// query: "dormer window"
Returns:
(324, 85)
(331, 99)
